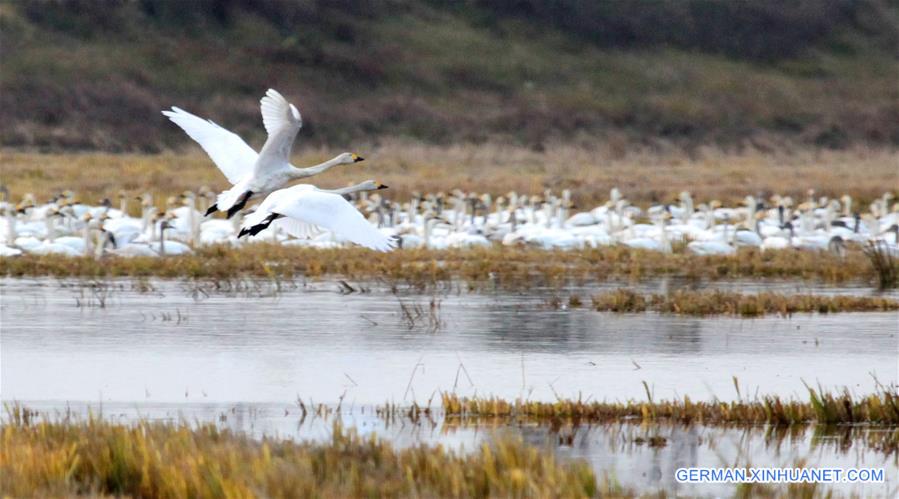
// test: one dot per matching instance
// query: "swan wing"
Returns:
(334, 213)
(226, 149)
(266, 207)
(277, 113)
(298, 228)
(282, 121)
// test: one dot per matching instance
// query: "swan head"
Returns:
(26, 203)
(371, 185)
(164, 220)
(349, 158)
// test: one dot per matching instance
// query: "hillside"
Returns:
(94, 75)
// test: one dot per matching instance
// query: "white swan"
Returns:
(167, 247)
(7, 251)
(329, 210)
(253, 175)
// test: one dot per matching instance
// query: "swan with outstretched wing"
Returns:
(253, 175)
(329, 210)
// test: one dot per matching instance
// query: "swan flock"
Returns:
(304, 215)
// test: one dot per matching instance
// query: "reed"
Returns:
(96, 457)
(716, 302)
(823, 407)
(886, 266)
(495, 266)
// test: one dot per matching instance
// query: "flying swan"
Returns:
(329, 210)
(254, 175)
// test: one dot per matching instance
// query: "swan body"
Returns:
(581, 219)
(27, 243)
(747, 238)
(308, 204)
(7, 251)
(645, 243)
(776, 243)
(175, 248)
(711, 248)
(76, 243)
(134, 250)
(52, 248)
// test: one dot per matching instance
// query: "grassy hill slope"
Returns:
(94, 75)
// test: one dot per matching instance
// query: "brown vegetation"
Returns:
(688, 302)
(496, 266)
(823, 407)
(99, 458)
(590, 172)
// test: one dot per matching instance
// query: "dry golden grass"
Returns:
(95, 457)
(823, 407)
(688, 302)
(589, 171)
(495, 266)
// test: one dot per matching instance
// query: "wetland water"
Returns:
(172, 349)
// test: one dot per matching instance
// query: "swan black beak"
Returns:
(357, 158)
(382, 186)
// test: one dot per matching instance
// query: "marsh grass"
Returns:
(886, 266)
(414, 315)
(69, 455)
(491, 267)
(823, 407)
(716, 302)
(96, 457)
(589, 171)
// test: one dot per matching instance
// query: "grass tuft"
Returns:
(716, 302)
(96, 457)
(881, 408)
(884, 263)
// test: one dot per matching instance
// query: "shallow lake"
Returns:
(180, 349)
(178, 342)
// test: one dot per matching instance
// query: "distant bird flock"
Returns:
(304, 215)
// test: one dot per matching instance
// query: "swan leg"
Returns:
(241, 202)
(261, 226)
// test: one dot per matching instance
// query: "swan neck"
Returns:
(192, 219)
(666, 245)
(360, 187)
(315, 169)
(88, 243)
